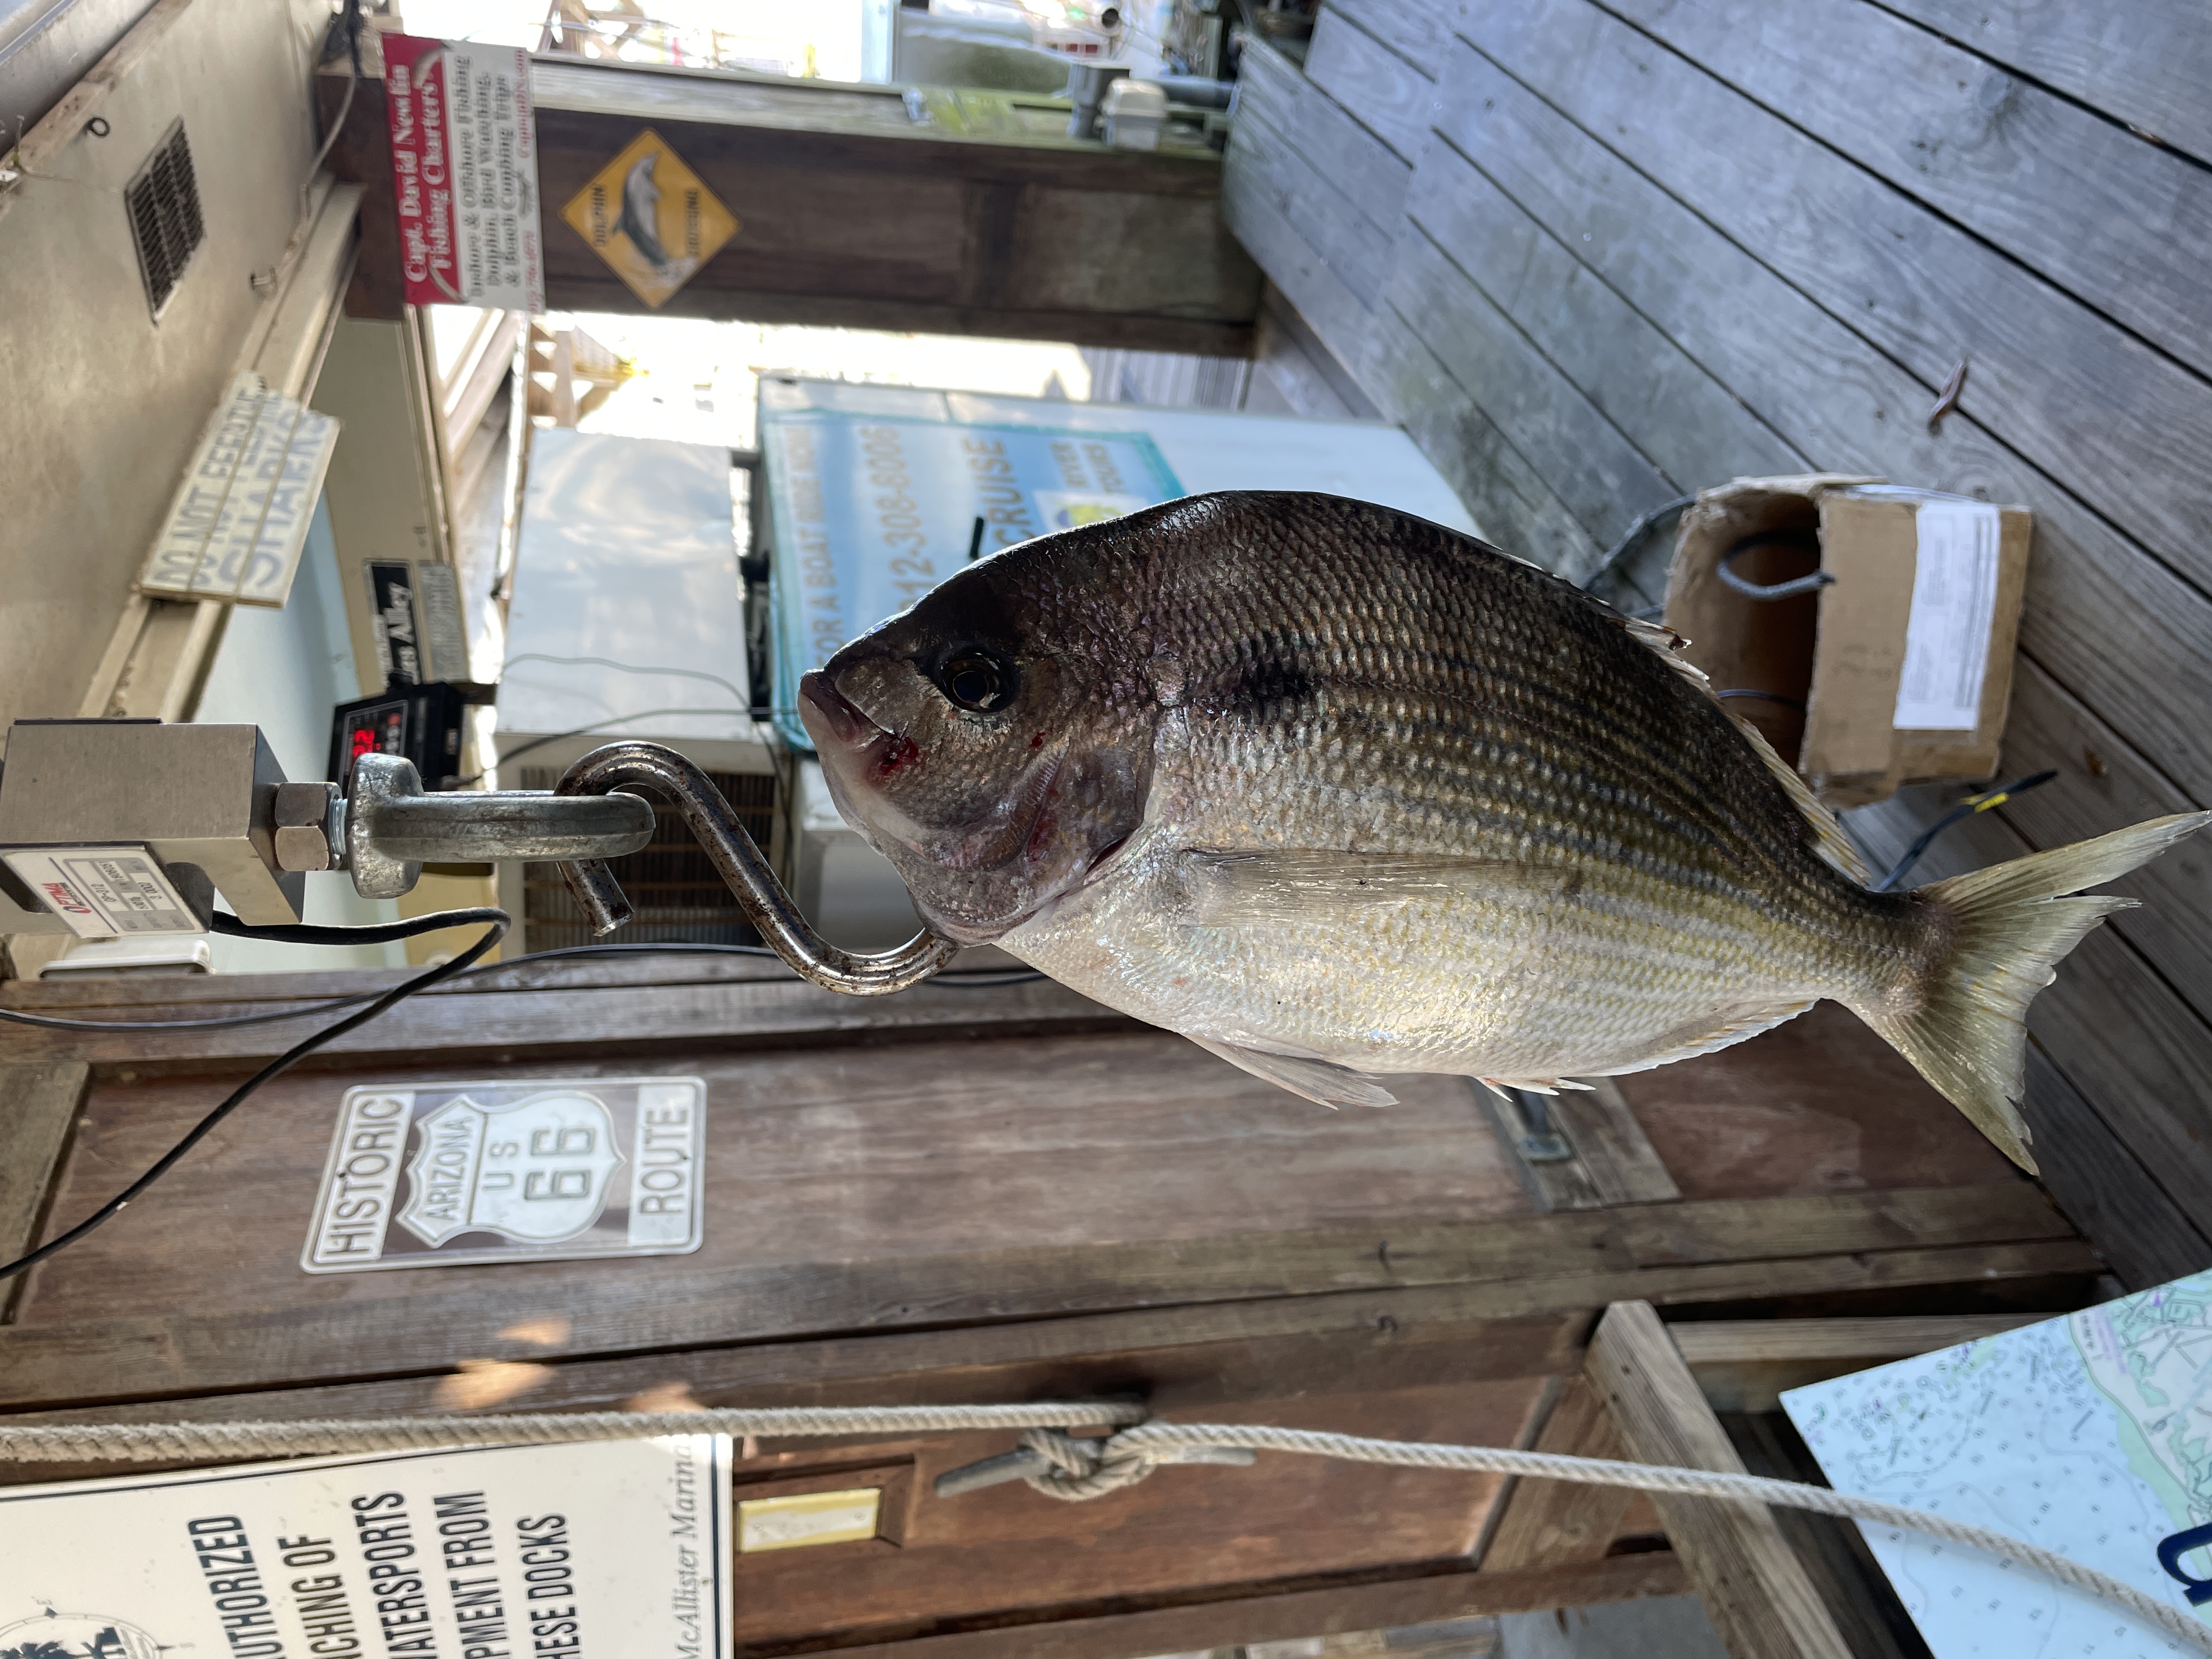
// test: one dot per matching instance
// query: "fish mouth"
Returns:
(825, 710)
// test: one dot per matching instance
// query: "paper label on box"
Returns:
(104, 892)
(1954, 603)
(583, 1552)
(432, 1175)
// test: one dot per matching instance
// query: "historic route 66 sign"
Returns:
(535, 1169)
(440, 1174)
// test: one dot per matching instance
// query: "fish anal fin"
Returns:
(1321, 1081)
(1733, 1026)
(1232, 888)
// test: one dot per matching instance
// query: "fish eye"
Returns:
(977, 680)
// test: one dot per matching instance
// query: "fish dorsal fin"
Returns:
(1835, 847)
(1243, 889)
(1668, 644)
(1321, 1081)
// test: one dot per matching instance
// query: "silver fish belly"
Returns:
(1456, 955)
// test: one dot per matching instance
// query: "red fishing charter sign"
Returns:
(465, 173)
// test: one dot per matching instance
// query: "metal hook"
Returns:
(739, 863)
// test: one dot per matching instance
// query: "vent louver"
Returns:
(164, 203)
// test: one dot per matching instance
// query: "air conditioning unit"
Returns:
(627, 621)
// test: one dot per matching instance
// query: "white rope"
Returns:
(1069, 1467)
(1688, 1483)
(186, 1443)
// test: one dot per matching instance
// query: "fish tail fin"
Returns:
(2004, 931)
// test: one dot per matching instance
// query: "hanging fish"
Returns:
(1336, 792)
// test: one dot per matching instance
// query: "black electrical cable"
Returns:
(1616, 555)
(495, 923)
(1966, 808)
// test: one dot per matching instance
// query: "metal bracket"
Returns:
(393, 829)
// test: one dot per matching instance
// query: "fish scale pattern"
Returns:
(1623, 877)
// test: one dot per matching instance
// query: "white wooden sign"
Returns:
(239, 521)
(512, 1552)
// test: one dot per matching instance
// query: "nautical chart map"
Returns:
(2090, 1435)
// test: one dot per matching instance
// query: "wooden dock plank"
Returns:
(2120, 223)
(1548, 1524)
(1417, 30)
(2105, 783)
(2106, 620)
(1332, 311)
(1371, 175)
(1511, 503)
(1603, 479)
(91, 1360)
(1693, 427)
(497, 1024)
(2145, 64)
(2103, 1187)
(1330, 222)
(1301, 1616)
(39, 1105)
(1386, 93)
(1921, 292)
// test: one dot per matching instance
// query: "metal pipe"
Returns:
(766, 904)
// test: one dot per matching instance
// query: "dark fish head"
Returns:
(991, 742)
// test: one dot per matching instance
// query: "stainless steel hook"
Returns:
(767, 906)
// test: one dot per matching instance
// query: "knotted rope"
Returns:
(1078, 1470)
(1064, 1466)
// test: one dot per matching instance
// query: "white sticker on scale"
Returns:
(104, 892)
(432, 1175)
(543, 1551)
(1954, 603)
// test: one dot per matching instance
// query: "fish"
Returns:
(1339, 794)
(640, 220)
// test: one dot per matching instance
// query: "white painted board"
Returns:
(627, 552)
(556, 1551)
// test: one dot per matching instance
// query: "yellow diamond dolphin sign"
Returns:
(651, 218)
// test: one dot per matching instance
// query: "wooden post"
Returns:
(1555, 1523)
(1754, 1588)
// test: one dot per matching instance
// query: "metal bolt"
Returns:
(303, 813)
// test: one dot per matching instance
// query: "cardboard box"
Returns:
(1898, 669)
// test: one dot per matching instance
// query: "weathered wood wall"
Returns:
(1598, 255)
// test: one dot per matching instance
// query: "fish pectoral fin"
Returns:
(1534, 1085)
(1230, 889)
(1321, 1081)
